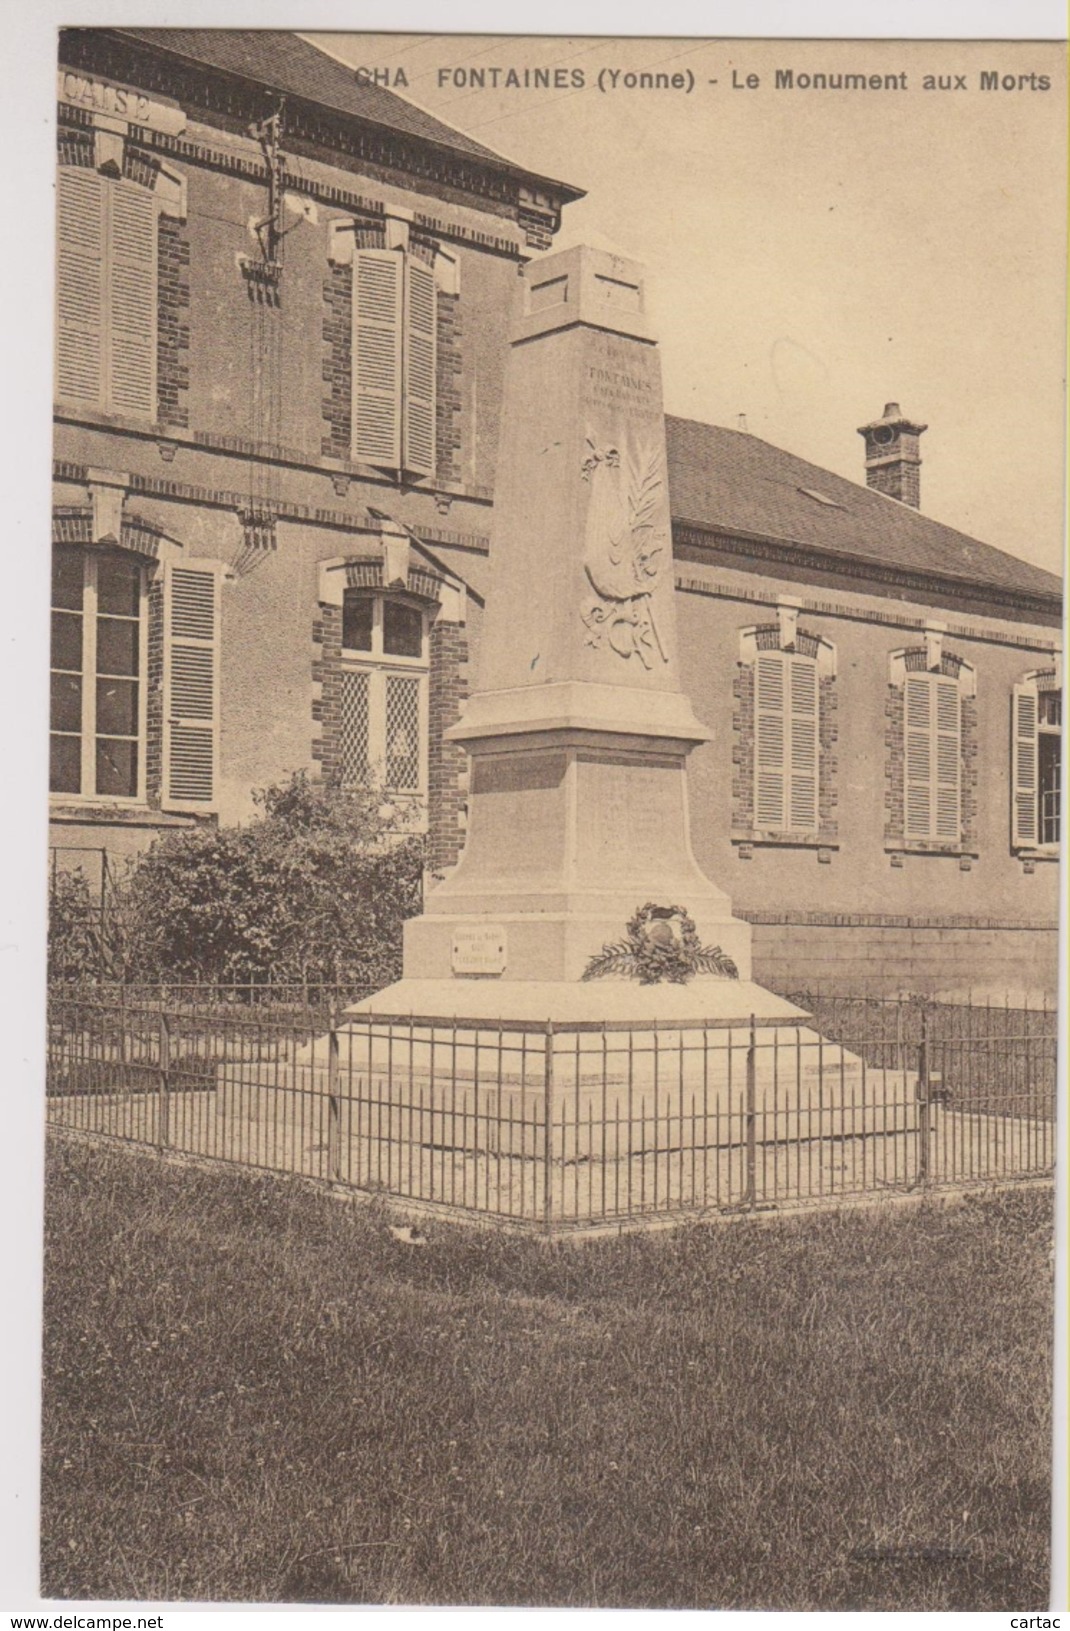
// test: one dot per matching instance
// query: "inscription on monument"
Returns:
(479, 949)
(632, 815)
(619, 387)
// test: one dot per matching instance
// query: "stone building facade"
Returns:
(283, 303)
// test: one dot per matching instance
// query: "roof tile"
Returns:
(293, 66)
(733, 482)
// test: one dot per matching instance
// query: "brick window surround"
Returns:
(156, 554)
(785, 637)
(930, 658)
(337, 406)
(447, 689)
(76, 148)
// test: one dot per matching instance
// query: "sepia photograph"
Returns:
(553, 820)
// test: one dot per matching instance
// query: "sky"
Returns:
(813, 254)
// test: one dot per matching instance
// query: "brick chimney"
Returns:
(892, 456)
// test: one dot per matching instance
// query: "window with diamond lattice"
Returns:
(355, 736)
(384, 692)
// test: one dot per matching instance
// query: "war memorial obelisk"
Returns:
(579, 733)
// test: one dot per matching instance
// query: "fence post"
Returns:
(163, 1116)
(923, 1098)
(102, 955)
(124, 1075)
(750, 1194)
(334, 1107)
(548, 1129)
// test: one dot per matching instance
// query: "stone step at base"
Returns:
(589, 1118)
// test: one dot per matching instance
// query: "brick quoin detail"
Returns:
(538, 228)
(172, 344)
(74, 147)
(337, 362)
(829, 761)
(447, 761)
(327, 671)
(743, 753)
(448, 388)
(140, 167)
(154, 697)
(970, 754)
(893, 765)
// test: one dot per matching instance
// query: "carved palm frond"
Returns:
(712, 960)
(616, 959)
(644, 493)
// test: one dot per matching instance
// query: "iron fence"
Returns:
(563, 1126)
(301, 1003)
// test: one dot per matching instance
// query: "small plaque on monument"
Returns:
(479, 949)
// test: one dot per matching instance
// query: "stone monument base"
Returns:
(566, 1002)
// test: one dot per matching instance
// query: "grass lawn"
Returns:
(253, 1392)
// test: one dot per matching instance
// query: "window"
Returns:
(393, 368)
(933, 758)
(786, 738)
(98, 666)
(384, 691)
(106, 294)
(931, 787)
(783, 789)
(1037, 762)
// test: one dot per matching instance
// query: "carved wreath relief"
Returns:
(662, 944)
(624, 549)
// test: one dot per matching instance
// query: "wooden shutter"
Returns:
(418, 416)
(947, 733)
(80, 287)
(191, 685)
(769, 756)
(1025, 827)
(378, 281)
(933, 755)
(918, 754)
(131, 273)
(803, 744)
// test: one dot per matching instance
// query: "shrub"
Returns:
(314, 889)
(73, 921)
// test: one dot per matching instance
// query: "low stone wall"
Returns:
(987, 957)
